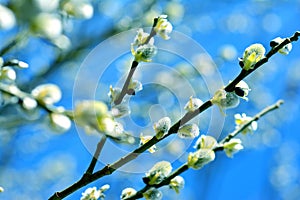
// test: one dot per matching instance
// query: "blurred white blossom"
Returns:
(120, 110)
(47, 93)
(60, 122)
(29, 103)
(93, 115)
(47, 25)
(77, 8)
(7, 75)
(7, 18)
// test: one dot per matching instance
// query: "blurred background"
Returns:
(54, 39)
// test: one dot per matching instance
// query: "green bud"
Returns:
(158, 172)
(188, 131)
(201, 157)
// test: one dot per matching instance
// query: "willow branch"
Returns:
(13, 90)
(133, 67)
(14, 42)
(110, 168)
(98, 150)
(255, 118)
(185, 166)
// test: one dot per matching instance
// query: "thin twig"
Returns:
(14, 42)
(133, 67)
(185, 166)
(109, 169)
(255, 118)
(99, 148)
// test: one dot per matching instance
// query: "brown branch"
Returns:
(109, 169)
(185, 166)
(99, 148)
(133, 67)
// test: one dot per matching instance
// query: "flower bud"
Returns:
(144, 140)
(91, 193)
(162, 127)
(7, 18)
(29, 103)
(114, 93)
(163, 27)
(177, 183)
(93, 115)
(201, 157)
(8, 75)
(47, 25)
(286, 49)
(225, 99)
(94, 194)
(193, 104)
(252, 55)
(153, 194)
(188, 131)
(47, 93)
(158, 172)
(59, 122)
(232, 147)
(243, 119)
(140, 38)
(78, 8)
(135, 86)
(144, 52)
(206, 142)
(127, 192)
(120, 110)
(1, 62)
(242, 90)
(18, 63)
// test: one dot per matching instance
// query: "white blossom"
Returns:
(201, 157)
(162, 127)
(127, 192)
(242, 119)
(177, 183)
(163, 27)
(193, 104)
(159, 172)
(206, 142)
(233, 146)
(286, 49)
(252, 55)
